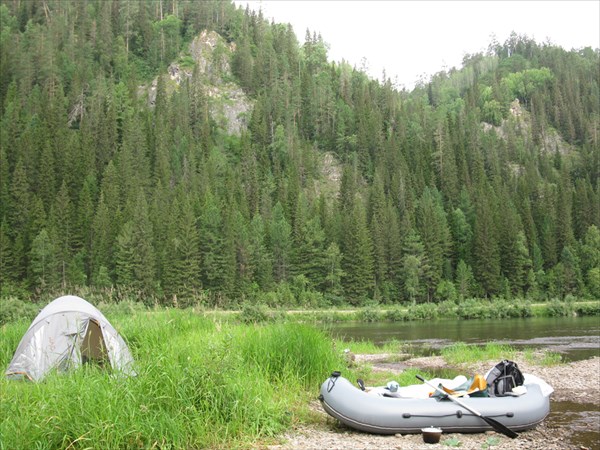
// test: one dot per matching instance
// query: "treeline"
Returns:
(451, 191)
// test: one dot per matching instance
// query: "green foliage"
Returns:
(460, 353)
(587, 309)
(201, 383)
(491, 441)
(13, 310)
(368, 315)
(425, 311)
(396, 315)
(187, 62)
(523, 85)
(452, 442)
(366, 191)
(557, 308)
(257, 313)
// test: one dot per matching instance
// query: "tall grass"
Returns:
(200, 384)
(460, 352)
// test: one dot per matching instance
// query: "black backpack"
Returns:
(503, 378)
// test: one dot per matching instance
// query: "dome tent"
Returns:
(68, 332)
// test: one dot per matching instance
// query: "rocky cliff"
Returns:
(229, 106)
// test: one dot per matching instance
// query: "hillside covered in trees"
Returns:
(332, 188)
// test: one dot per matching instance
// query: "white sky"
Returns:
(412, 39)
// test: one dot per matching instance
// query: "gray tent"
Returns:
(68, 332)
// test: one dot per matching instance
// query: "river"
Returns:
(575, 338)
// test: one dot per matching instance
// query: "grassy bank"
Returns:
(200, 384)
(12, 309)
(466, 310)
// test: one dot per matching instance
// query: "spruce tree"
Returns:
(486, 256)
(45, 266)
(357, 262)
(433, 229)
(280, 238)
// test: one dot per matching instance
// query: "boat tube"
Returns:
(373, 413)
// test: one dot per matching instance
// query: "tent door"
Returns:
(93, 348)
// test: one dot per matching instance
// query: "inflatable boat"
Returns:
(375, 412)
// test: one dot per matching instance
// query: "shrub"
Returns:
(368, 314)
(396, 314)
(254, 313)
(473, 309)
(13, 309)
(587, 309)
(447, 309)
(556, 308)
(423, 311)
(311, 299)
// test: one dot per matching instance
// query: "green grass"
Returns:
(204, 381)
(462, 353)
(368, 347)
(200, 384)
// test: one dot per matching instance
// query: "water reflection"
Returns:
(583, 421)
(575, 338)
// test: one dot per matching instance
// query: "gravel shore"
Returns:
(577, 382)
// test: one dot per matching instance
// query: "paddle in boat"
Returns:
(435, 403)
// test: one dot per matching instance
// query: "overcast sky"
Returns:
(411, 39)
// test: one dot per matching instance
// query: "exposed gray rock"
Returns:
(229, 106)
(520, 120)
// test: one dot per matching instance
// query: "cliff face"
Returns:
(519, 119)
(229, 106)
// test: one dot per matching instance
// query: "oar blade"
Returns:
(491, 422)
(499, 427)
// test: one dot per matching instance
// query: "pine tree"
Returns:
(211, 244)
(280, 237)
(45, 267)
(464, 280)
(378, 231)
(486, 256)
(125, 257)
(7, 268)
(61, 220)
(357, 262)
(393, 281)
(462, 236)
(142, 239)
(261, 259)
(414, 265)
(182, 273)
(433, 229)
(332, 284)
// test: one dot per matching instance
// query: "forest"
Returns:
(338, 189)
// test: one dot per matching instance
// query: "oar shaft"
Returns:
(491, 422)
(454, 399)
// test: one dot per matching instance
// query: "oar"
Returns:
(493, 423)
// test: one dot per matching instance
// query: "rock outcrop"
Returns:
(209, 54)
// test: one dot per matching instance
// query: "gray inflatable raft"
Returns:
(382, 415)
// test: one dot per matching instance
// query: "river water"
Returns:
(574, 338)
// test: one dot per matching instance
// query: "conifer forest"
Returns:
(192, 152)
